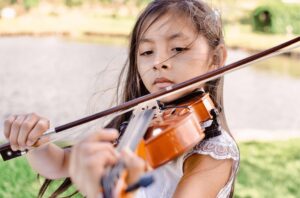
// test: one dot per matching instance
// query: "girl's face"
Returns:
(171, 52)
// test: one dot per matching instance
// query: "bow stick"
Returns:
(7, 153)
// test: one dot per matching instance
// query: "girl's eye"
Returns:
(146, 53)
(179, 49)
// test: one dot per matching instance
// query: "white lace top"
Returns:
(168, 176)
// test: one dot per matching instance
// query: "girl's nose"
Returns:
(161, 67)
(162, 63)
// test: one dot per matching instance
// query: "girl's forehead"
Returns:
(167, 25)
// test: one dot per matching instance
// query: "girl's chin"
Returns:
(175, 96)
(171, 97)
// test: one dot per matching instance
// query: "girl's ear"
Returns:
(220, 56)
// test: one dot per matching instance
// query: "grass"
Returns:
(268, 169)
(18, 180)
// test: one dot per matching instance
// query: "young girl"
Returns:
(172, 41)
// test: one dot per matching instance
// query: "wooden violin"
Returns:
(172, 131)
(176, 130)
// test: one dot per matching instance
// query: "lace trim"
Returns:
(220, 147)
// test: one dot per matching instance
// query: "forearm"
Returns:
(49, 161)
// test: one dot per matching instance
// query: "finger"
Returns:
(107, 135)
(91, 166)
(135, 166)
(132, 161)
(90, 148)
(15, 129)
(7, 125)
(28, 124)
(97, 165)
(103, 159)
(41, 140)
(41, 127)
(95, 149)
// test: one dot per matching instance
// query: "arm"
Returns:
(50, 161)
(203, 177)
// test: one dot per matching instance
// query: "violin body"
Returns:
(175, 131)
(174, 138)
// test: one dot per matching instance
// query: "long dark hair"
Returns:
(207, 22)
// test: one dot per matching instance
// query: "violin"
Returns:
(163, 135)
(176, 130)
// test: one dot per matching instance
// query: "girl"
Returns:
(172, 41)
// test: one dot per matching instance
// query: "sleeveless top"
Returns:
(167, 176)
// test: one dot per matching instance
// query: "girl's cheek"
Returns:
(145, 67)
(142, 71)
(146, 61)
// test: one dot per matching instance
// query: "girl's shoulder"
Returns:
(219, 147)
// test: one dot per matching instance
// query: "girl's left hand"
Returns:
(90, 157)
(88, 161)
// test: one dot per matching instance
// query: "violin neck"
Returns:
(136, 129)
(133, 134)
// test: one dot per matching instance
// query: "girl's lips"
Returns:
(163, 85)
(162, 82)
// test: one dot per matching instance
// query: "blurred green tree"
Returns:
(276, 17)
(28, 4)
(73, 3)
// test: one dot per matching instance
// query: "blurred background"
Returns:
(61, 59)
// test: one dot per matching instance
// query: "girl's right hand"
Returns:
(23, 131)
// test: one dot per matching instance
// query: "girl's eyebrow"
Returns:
(177, 35)
(171, 37)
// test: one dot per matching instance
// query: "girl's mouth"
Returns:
(162, 82)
